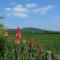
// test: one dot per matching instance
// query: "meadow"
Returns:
(51, 42)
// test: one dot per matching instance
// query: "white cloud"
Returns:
(43, 10)
(18, 10)
(9, 12)
(24, 11)
(32, 5)
(19, 6)
(21, 11)
(20, 14)
(8, 9)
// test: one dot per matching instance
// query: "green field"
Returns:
(51, 42)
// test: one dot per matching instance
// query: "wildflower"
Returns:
(18, 35)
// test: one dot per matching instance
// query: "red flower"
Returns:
(18, 35)
(31, 42)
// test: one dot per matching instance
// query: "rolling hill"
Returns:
(34, 30)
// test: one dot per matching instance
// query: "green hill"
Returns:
(34, 30)
(31, 29)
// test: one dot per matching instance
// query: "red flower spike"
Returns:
(18, 35)
(31, 42)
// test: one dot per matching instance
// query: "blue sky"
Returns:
(44, 14)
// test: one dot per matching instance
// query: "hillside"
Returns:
(31, 29)
(34, 30)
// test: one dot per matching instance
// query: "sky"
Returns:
(42, 14)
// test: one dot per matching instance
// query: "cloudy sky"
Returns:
(44, 14)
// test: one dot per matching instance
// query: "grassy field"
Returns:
(51, 42)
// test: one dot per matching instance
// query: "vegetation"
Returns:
(48, 41)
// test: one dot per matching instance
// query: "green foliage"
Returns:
(1, 29)
(50, 41)
(2, 47)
